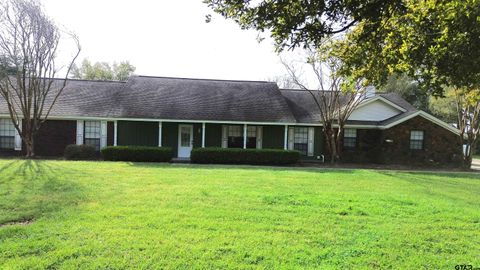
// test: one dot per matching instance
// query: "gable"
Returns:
(377, 110)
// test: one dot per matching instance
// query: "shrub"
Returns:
(137, 153)
(80, 152)
(244, 156)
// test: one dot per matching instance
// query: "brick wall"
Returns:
(441, 147)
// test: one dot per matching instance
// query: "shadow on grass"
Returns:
(241, 167)
(425, 175)
(30, 189)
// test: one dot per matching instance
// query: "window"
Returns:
(416, 140)
(349, 138)
(251, 137)
(7, 134)
(235, 137)
(185, 137)
(92, 134)
(300, 140)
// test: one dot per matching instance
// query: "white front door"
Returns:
(185, 140)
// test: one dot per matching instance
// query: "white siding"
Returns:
(375, 111)
(79, 132)
(18, 138)
(103, 134)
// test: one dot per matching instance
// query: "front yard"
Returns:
(97, 215)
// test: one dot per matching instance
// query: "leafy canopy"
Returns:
(437, 42)
(295, 23)
(103, 71)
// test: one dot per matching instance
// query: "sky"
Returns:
(166, 38)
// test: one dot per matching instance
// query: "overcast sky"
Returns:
(166, 38)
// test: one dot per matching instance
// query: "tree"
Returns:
(29, 42)
(336, 96)
(103, 71)
(293, 23)
(408, 89)
(436, 42)
(445, 107)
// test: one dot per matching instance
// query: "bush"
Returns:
(137, 153)
(244, 156)
(80, 152)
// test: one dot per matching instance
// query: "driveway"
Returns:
(476, 164)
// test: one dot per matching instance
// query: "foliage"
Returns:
(103, 71)
(122, 215)
(408, 89)
(298, 22)
(137, 153)
(29, 45)
(435, 42)
(80, 152)
(244, 156)
(445, 107)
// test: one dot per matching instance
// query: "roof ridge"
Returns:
(86, 80)
(198, 79)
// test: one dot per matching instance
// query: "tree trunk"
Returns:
(29, 147)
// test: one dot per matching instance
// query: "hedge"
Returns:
(80, 152)
(137, 153)
(244, 156)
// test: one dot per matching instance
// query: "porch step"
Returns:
(180, 160)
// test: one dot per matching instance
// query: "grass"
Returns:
(103, 215)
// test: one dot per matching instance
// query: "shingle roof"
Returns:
(173, 98)
(306, 110)
(195, 99)
(81, 98)
(200, 99)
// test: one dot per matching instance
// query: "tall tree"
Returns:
(335, 96)
(407, 88)
(103, 71)
(293, 23)
(436, 42)
(29, 42)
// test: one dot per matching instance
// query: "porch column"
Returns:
(160, 134)
(285, 138)
(203, 135)
(115, 130)
(244, 136)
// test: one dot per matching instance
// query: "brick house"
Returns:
(185, 113)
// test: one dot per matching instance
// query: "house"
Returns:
(185, 113)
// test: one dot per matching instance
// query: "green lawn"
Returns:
(99, 215)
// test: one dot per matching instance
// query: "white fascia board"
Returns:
(388, 102)
(427, 116)
(421, 113)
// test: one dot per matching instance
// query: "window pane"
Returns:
(416, 135)
(300, 140)
(93, 142)
(7, 142)
(7, 128)
(301, 147)
(235, 136)
(251, 131)
(350, 138)
(350, 133)
(350, 142)
(235, 131)
(92, 129)
(185, 137)
(416, 140)
(7, 134)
